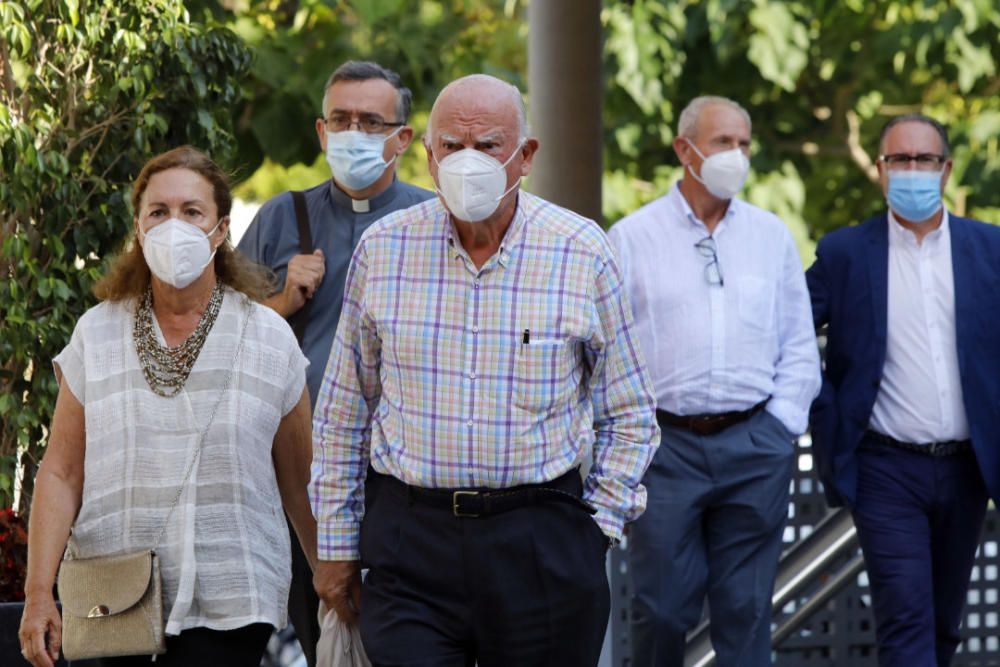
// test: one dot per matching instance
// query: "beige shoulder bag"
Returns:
(113, 605)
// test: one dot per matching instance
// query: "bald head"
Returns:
(479, 95)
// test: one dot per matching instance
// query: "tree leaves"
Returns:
(102, 88)
(780, 45)
(819, 79)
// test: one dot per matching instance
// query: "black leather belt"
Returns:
(481, 502)
(708, 424)
(946, 448)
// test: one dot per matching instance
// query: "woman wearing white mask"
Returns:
(182, 426)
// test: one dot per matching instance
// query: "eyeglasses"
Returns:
(713, 270)
(370, 123)
(923, 161)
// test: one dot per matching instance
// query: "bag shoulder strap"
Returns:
(300, 320)
(302, 220)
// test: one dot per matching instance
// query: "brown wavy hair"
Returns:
(128, 276)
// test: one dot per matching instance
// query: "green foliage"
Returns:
(820, 79)
(299, 44)
(89, 93)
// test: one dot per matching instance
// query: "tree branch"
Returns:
(858, 153)
(7, 75)
(94, 129)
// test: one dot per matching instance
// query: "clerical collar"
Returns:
(342, 199)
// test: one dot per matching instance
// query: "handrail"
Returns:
(800, 565)
(830, 588)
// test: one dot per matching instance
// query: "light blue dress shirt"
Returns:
(714, 348)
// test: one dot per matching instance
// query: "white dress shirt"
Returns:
(717, 348)
(920, 396)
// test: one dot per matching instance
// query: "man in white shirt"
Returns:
(723, 317)
(905, 426)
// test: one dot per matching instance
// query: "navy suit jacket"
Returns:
(849, 288)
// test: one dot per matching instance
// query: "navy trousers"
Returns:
(526, 587)
(714, 517)
(919, 519)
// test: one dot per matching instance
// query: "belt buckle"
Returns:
(454, 504)
(941, 448)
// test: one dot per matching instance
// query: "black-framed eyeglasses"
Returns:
(713, 270)
(922, 161)
(370, 123)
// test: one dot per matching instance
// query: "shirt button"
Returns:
(477, 284)
(475, 329)
(472, 376)
(469, 423)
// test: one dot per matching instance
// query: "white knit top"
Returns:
(225, 557)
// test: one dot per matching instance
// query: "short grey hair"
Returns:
(687, 126)
(917, 118)
(364, 70)
(516, 97)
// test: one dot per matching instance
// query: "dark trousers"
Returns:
(919, 519)
(201, 647)
(716, 507)
(526, 587)
(303, 603)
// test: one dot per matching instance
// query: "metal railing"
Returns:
(800, 568)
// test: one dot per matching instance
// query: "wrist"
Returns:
(278, 303)
(37, 592)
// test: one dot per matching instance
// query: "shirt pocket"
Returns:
(756, 303)
(544, 372)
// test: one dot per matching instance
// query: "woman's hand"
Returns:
(41, 630)
(58, 491)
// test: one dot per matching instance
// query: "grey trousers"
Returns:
(716, 509)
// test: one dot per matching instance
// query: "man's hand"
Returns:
(338, 584)
(305, 273)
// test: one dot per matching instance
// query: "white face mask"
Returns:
(472, 183)
(355, 158)
(722, 173)
(177, 252)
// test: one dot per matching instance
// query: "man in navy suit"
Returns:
(906, 429)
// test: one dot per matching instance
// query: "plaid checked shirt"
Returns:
(431, 380)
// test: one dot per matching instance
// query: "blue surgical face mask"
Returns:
(355, 158)
(915, 195)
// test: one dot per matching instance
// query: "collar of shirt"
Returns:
(676, 200)
(900, 235)
(343, 200)
(510, 238)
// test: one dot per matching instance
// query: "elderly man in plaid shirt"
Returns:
(485, 348)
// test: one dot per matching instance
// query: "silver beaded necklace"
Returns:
(166, 369)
